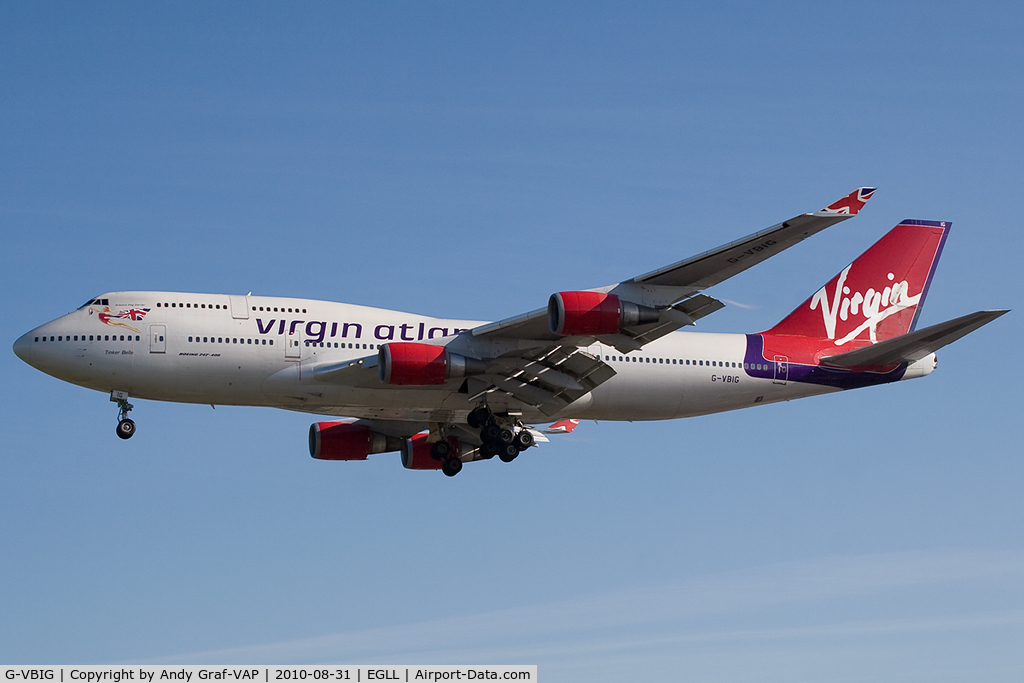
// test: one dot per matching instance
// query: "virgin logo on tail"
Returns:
(874, 306)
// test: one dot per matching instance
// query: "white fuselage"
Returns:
(257, 351)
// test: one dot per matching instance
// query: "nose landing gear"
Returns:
(125, 426)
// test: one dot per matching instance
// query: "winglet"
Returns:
(852, 203)
(561, 427)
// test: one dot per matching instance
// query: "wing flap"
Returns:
(913, 346)
(548, 381)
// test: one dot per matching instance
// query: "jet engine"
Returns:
(573, 314)
(416, 453)
(411, 363)
(348, 441)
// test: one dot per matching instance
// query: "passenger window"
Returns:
(271, 342)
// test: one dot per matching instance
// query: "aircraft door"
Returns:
(158, 339)
(781, 370)
(293, 343)
(239, 307)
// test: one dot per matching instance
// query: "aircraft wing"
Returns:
(674, 289)
(536, 366)
(717, 265)
(527, 361)
(913, 346)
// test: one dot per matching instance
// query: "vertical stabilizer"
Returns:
(878, 296)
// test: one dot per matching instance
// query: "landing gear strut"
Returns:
(125, 426)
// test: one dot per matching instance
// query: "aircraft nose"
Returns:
(23, 348)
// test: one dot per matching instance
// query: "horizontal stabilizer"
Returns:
(914, 346)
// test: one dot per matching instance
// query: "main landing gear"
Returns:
(125, 426)
(500, 436)
(451, 463)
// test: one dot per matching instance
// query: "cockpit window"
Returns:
(95, 302)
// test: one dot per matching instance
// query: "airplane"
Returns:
(446, 392)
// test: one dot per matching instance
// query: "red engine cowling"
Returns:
(347, 441)
(573, 314)
(410, 363)
(416, 453)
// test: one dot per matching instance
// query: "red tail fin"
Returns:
(878, 296)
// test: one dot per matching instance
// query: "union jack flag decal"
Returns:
(852, 203)
(133, 314)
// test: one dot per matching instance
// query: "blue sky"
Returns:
(467, 160)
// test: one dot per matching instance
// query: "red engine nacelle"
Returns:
(573, 314)
(416, 453)
(411, 363)
(347, 441)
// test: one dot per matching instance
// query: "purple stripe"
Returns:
(814, 374)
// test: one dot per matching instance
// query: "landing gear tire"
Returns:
(440, 450)
(126, 428)
(488, 450)
(490, 433)
(478, 417)
(523, 440)
(506, 436)
(508, 453)
(451, 467)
